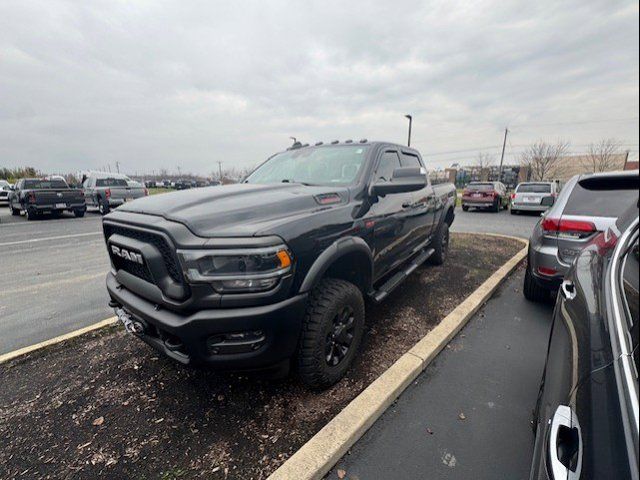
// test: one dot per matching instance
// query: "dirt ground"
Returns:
(107, 406)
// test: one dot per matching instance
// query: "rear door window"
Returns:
(410, 160)
(599, 202)
(534, 188)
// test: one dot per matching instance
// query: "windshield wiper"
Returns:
(306, 184)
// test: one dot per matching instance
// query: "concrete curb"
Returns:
(52, 341)
(316, 457)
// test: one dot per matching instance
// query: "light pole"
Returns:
(410, 122)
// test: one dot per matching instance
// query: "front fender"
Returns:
(332, 253)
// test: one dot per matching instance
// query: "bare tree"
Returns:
(483, 163)
(541, 159)
(602, 156)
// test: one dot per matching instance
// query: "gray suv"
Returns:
(583, 212)
(534, 196)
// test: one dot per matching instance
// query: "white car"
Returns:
(5, 188)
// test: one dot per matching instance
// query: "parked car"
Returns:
(492, 195)
(36, 197)
(182, 185)
(275, 269)
(534, 196)
(587, 205)
(586, 416)
(5, 188)
(106, 191)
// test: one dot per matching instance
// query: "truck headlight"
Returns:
(237, 271)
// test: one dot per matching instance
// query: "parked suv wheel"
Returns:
(14, 211)
(331, 333)
(440, 245)
(32, 214)
(465, 208)
(532, 291)
(103, 206)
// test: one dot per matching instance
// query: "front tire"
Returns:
(440, 245)
(14, 211)
(32, 214)
(331, 333)
(79, 213)
(532, 291)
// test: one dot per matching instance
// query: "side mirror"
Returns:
(404, 179)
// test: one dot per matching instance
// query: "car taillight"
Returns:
(513, 196)
(107, 193)
(578, 228)
(547, 271)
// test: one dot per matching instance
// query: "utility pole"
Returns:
(410, 122)
(118, 166)
(220, 170)
(504, 144)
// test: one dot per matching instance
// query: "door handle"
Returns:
(565, 444)
(568, 289)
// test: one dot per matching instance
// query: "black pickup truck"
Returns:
(36, 197)
(275, 271)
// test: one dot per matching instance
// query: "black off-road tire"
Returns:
(465, 208)
(440, 245)
(327, 302)
(532, 291)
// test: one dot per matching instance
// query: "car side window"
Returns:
(410, 160)
(388, 163)
(630, 290)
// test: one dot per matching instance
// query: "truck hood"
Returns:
(236, 210)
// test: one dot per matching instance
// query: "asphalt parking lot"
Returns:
(53, 271)
(467, 415)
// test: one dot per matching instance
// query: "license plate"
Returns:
(476, 195)
(61, 205)
(532, 199)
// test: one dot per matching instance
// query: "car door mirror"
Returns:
(404, 179)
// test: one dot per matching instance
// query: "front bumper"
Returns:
(280, 325)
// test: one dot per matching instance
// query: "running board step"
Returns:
(387, 287)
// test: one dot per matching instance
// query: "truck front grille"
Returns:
(157, 241)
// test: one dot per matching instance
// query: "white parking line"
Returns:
(60, 237)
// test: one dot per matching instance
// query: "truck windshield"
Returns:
(330, 165)
(534, 188)
(111, 182)
(44, 184)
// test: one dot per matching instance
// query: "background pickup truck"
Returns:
(40, 196)
(108, 190)
(276, 269)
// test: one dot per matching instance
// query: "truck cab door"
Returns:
(390, 215)
(425, 211)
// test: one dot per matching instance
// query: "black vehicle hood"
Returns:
(236, 210)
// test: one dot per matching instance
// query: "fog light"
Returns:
(238, 342)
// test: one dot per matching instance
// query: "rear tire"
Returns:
(331, 333)
(465, 208)
(440, 245)
(532, 291)
(497, 205)
(79, 213)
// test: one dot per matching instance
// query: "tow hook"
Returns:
(132, 326)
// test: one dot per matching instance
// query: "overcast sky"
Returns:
(154, 84)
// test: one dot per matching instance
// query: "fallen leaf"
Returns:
(98, 421)
(462, 416)
(341, 473)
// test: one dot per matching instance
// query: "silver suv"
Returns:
(583, 212)
(534, 196)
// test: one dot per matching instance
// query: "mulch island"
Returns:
(108, 406)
